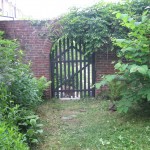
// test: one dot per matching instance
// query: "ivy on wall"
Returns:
(97, 25)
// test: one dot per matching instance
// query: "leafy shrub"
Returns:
(28, 90)
(27, 122)
(11, 139)
(24, 89)
(42, 84)
(33, 128)
(136, 50)
(14, 114)
(136, 71)
(19, 91)
(114, 85)
(10, 59)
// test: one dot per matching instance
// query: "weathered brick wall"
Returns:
(104, 65)
(37, 49)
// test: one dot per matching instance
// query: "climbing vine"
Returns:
(97, 25)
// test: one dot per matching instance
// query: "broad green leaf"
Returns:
(143, 69)
(118, 65)
(33, 122)
(137, 23)
(124, 17)
(148, 96)
(120, 40)
(118, 15)
(99, 85)
(34, 141)
(148, 73)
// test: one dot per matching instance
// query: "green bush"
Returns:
(24, 88)
(134, 74)
(114, 85)
(19, 91)
(27, 122)
(136, 50)
(11, 139)
(28, 90)
(42, 84)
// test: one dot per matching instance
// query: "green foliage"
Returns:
(27, 90)
(11, 139)
(42, 84)
(8, 58)
(27, 122)
(136, 51)
(97, 25)
(114, 85)
(131, 82)
(24, 88)
(19, 92)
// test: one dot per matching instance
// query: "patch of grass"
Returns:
(92, 127)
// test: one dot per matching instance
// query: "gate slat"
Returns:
(93, 74)
(52, 71)
(76, 57)
(68, 84)
(60, 58)
(80, 69)
(57, 79)
(72, 62)
(84, 70)
(65, 74)
(89, 77)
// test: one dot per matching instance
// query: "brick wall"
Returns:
(37, 49)
(104, 65)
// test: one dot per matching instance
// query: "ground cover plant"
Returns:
(20, 91)
(88, 124)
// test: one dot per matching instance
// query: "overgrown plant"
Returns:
(10, 138)
(133, 67)
(42, 84)
(113, 85)
(25, 89)
(136, 50)
(27, 122)
(97, 25)
(19, 92)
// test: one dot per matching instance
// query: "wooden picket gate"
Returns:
(72, 70)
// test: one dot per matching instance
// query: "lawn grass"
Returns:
(88, 125)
